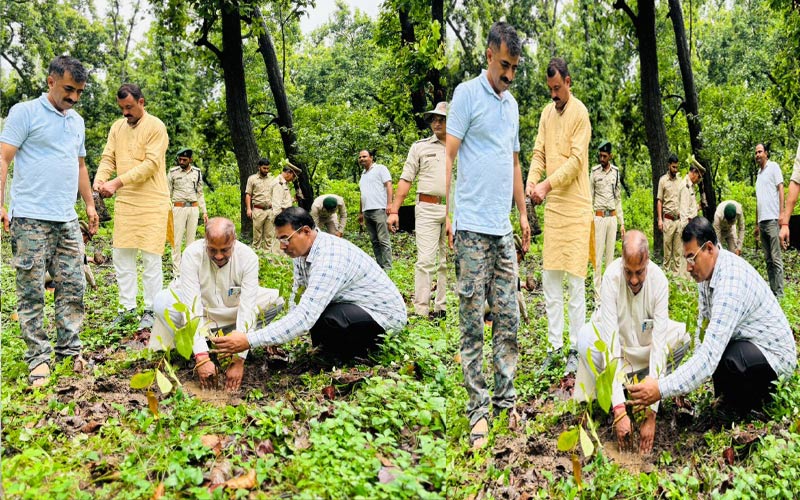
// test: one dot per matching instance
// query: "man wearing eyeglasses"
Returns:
(746, 343)
(347, 303)
(632, 320)
(426, 161)
(219, 279)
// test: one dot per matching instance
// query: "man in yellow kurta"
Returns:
(561, 152)
(136, 151)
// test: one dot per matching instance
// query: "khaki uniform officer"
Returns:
(186, 190)
(425, 161)
(330, 214)
(687, 203)
(258, 200)
(668, 213)
(282, 199)
(607, 203)
(729, 215)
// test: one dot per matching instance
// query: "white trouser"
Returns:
(125, 267)
(268, 304)
(554, 305)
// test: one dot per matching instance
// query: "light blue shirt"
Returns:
(45, 181)
(488, 126)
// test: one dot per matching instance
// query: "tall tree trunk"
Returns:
(434, 76)
(655, 132)
(284, 120)
(407, 37)
(237, 109)
(691, 107)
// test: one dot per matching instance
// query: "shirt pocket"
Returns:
(138, 150)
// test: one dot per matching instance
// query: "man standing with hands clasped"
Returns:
(483, 129)
(561, 154)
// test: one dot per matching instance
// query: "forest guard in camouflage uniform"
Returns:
(45, 138)
(607, 204)
(258, 200)
(185, 183)
(425, 161)
(483, 129)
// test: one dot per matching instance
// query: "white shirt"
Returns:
(767, 191)
(373, 187)
(634, 326)
(738, 305)
(335, 271)
(208, 286)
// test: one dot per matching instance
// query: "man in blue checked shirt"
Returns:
(347, 300)
(747, 344)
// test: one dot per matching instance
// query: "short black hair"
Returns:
(263, 161)
(66, 63)
(557, 65)
(129, 89)
(502, 32)
(765, 145)
(672, 158)
(701, 230)
(295, 216)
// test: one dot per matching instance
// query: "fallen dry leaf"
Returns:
(385, 461)
(152, 403)
(91, 426)
(729, 455)
(245, 481)
(14, 316)
(159, 492)
(264, 448)
(385, 475)
(220, 473)
(329, 392)
(212, 441)
(457, 358)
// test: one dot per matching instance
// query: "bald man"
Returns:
(219, 275)
(632, 321)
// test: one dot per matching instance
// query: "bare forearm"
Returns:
(403, 187)
(791, 201)
(84, 186)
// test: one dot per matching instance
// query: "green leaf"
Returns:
(586, 443)
(600, 346)
(171, 372)
(164, 385)
(184, 338)
(143, 379)
(604, 386)
(568, 439)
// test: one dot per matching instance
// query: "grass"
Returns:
(394, 429)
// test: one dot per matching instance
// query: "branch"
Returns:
(203, 41)
(674, 96)
(461, 40)
(22, 75)
(623, 6)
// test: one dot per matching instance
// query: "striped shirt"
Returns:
(335, 271)
(738, 305)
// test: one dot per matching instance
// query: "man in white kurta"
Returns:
(633, 322)
(561, 152)
(219, 275)
(136, 152)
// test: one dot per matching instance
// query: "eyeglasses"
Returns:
(438, 119)
(690, 259)
(284, 240)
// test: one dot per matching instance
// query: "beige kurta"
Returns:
(562, 153)
(138, 157)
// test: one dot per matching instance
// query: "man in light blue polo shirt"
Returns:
(483, 128)
(45, 139)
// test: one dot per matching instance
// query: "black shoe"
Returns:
(437, 315)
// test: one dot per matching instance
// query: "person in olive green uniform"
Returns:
(668, 213)
(258, 200)
(185, 184)
(282, 199)
(425, 161)
(606, 192)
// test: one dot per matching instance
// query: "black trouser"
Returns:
(744, 377)
(345, 331)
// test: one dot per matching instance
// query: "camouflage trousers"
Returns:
(486, 271)
(38, 246)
